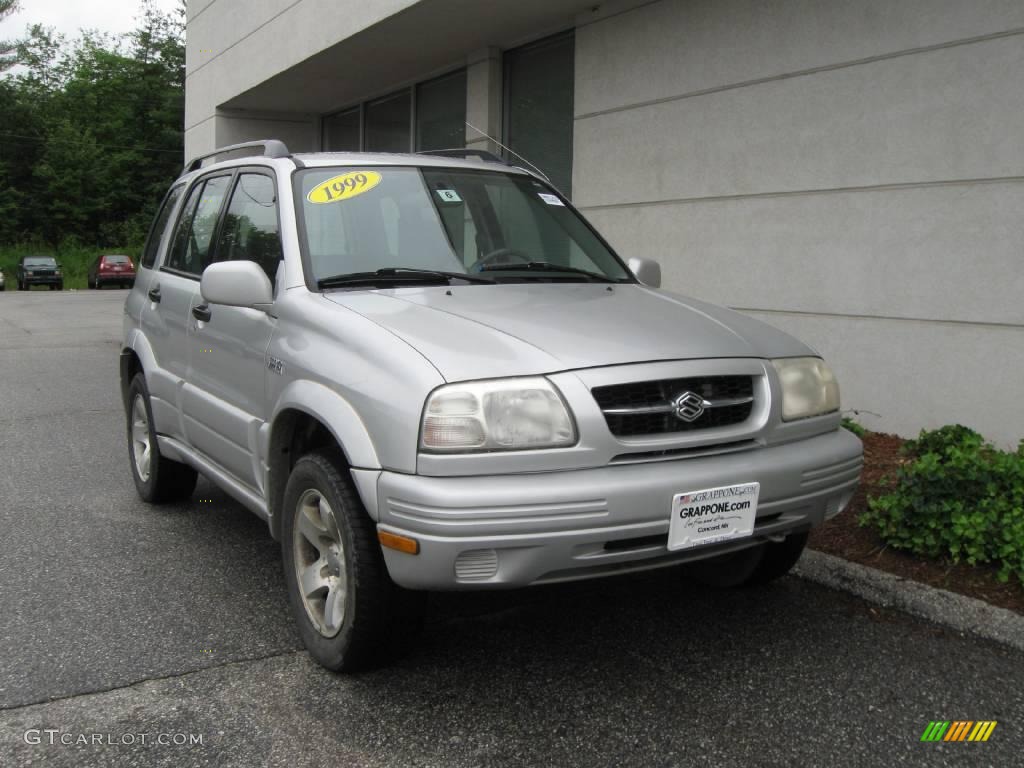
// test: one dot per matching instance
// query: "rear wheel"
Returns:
(350, 614)
(750, 567)
(157, 479)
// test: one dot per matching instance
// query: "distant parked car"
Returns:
(39, 270)
(110, 270)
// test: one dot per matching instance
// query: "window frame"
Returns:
(231, 174)
(159, 250)
(256, 170)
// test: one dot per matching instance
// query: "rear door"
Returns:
(171, 293)
(224, 397)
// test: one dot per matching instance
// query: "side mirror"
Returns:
(647, 271)
(236, 284)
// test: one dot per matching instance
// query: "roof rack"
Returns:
(270, 147)
(466, 152)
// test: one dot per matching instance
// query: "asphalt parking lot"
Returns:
(120, 620)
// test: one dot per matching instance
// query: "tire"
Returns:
(60, 286)
(157, 479)
(352, 617)
(750, 567)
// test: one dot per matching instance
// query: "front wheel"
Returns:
(157, 479)
(350, 614)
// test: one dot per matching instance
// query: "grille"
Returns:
(646, 407)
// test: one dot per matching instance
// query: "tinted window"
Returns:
(193, 238)
(387, 123)
(539, 106)
(156, 232)
(117, 260)
(441, 112)
(341, 131)
(250, 229)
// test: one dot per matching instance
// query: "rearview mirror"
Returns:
(647, 271)
(236, 284)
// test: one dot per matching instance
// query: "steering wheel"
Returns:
(500, 256)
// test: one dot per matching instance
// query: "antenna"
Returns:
(509, 150)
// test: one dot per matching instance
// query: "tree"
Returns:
(93, 130)
(7, 47)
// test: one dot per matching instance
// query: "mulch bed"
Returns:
(843, 537)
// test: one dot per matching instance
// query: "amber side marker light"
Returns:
(401, 543)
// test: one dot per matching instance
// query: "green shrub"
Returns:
(957, 496)
(853, 426)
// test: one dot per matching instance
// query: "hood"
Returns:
(483, 331)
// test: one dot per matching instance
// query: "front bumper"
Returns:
(514, 530)
(42, 280)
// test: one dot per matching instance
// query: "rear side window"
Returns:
(191, 250)
(250, 229)
(156, 232)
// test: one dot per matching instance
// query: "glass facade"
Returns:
(388, 123)
(539, 106)
(441, 112)
(341, 131)
(437, 107)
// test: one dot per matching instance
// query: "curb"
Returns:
(964, 614)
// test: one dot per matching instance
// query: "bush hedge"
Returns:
(956, 496)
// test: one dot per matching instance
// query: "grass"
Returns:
(74, 260)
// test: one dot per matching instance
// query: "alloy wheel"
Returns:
(320, 563)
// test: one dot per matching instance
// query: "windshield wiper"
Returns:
(391, 275)
(546, 266)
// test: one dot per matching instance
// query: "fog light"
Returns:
(476, 564)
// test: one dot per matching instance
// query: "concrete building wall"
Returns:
(234, 46)
(850, 172)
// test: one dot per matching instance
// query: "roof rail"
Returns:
(270, 147)
(465, 152)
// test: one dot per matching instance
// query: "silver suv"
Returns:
(429, 372)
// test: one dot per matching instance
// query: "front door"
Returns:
(224, 398)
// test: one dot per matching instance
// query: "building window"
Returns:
(539, 106)
(341, 131)
(388, 123)
(441, 112)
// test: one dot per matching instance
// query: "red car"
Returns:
(111, 269)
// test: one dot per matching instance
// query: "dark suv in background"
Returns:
(39, 270)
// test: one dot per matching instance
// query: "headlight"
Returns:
(499, 415)
(808, 387)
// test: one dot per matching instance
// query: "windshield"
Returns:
(40, 261)
(504, 227)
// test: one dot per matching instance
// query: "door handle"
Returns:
(202, 312)
(154, 294)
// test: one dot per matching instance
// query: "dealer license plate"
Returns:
(712, 515)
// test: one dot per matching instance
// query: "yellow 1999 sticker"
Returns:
(343, 187)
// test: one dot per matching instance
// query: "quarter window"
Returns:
(156, 232)
(193, 238)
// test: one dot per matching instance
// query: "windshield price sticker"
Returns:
(712, 515)
(344, 187)
(550, 199)
(448, 196)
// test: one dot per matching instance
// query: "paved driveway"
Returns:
(125, 623)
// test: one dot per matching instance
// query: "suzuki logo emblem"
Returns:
(689, 407)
